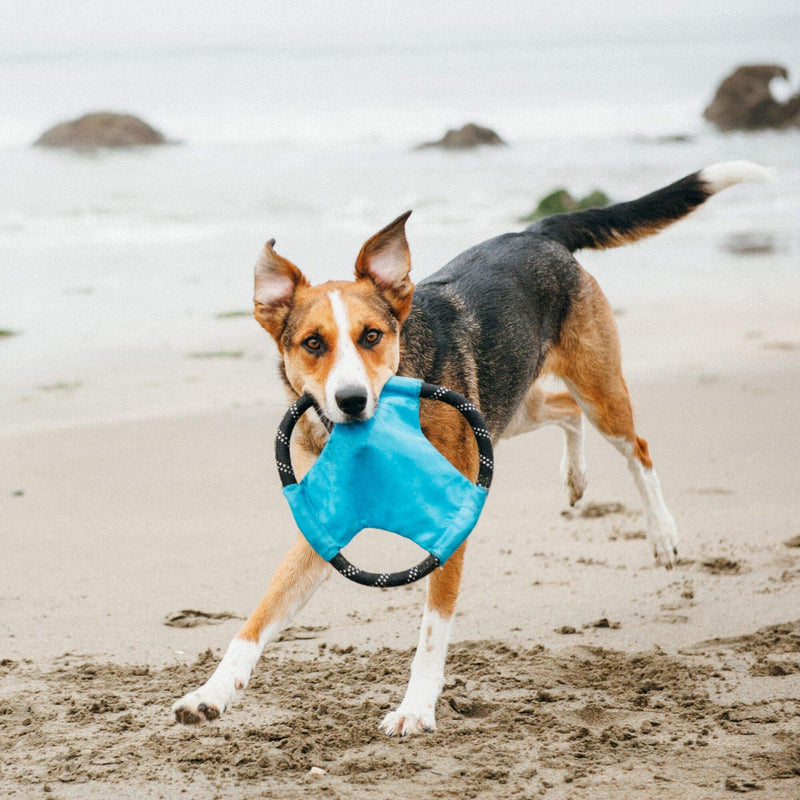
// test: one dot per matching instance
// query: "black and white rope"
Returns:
(283, 455)
(384, 580)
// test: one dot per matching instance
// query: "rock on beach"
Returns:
(471, 135)
(101, 129)
(744, 100)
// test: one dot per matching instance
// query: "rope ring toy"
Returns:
(427, 391)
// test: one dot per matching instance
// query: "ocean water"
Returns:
(116, 266)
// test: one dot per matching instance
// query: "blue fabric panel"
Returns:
(383, 473)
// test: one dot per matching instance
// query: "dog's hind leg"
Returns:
(295, 580)
(417, 712)
(539, 408)
(587, 358)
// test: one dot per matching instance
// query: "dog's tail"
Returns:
(613, 226)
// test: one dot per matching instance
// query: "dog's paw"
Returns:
(573, 474)
(202, 705)
(664, 541)
(217, 694)
(404, 722)
(575, 483)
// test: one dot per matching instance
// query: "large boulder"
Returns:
(471, 135)
(744, 101)
(101, 129)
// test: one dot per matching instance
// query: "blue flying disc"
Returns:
(384, 473)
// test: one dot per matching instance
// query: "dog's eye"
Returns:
(371, 337)
(313, 344)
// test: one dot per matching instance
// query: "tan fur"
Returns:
(588, 358)
(540, 407)
(296, 576)
(294, 580)
(642, 231)
(312, 310)
(449, 433)
(444, 584)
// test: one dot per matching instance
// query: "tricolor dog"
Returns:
(489, 324)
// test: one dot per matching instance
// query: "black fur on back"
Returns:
(483, 324)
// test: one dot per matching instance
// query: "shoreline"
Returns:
(234, 363)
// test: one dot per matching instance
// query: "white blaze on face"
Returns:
(348, 368)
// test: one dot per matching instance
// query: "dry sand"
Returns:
(578, 669)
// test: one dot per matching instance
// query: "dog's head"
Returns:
(340, 341)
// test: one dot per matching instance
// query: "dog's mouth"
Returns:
(342, 418)
(326, 422)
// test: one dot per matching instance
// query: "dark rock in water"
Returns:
(561, 201)
(469, 136)
(744, 101)
(675, 138)
(667, 138)
(749, 244)
(102, 129)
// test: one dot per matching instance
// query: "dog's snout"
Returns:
(352, 400)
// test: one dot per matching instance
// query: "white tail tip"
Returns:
(728, 173)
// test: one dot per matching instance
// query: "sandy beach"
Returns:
(579, 669)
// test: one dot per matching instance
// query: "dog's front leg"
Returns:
(295, 580)
(417, 712)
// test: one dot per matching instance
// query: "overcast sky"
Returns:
(90, 25)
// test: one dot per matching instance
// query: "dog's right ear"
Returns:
(276, 281)
(386, 261)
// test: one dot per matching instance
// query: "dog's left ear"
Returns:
(386, 261)
(276, 281)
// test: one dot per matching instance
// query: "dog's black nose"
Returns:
(352, 400)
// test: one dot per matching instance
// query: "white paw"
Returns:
(663, 538)
(573, 473)
(405, 721)
(217, 694)
(575, 481)
(203, 705)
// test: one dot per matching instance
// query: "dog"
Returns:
(489, 324)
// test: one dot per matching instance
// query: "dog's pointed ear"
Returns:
(276, 281)
(386, 261)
